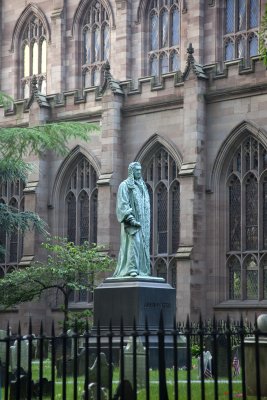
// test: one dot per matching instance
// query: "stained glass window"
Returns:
(234, 279)
(162, 198)
(247, 186)
(161, 175)
(81, 210)
(241, 29)
(251, 278)
(235, 214)
(11, 193)
(164, 36)
(251, 194)
(96, 43)
(34, 55)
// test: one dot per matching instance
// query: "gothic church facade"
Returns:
(174, 84)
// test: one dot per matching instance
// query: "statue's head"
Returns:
(134, 170)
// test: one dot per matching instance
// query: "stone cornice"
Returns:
(146, 108)
(235, 92)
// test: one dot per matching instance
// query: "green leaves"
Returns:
(263, 38)
(12, 220)
(5, 101)
(16, 142)
(68, 267)
(12, 169)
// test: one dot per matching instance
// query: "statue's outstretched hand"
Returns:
(135, 223)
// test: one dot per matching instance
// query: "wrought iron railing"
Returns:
(204, 360)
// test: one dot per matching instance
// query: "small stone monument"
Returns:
(250, 360)
(207, 365)
(222, 360)
(24, 352)
(140, 362)
(2, 346)
(104, 378)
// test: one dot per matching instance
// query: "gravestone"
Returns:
(127, 391)
(23, 387)
(222, 358)
(104, 377)
(140, 362)
(46, 385)
(24, 353)
(207, 365)
(38, 349)
(2, 346)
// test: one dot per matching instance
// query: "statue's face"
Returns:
(137, 172)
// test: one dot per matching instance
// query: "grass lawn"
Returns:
(195, 386)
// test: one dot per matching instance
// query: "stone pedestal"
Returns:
(129, 299)
(250, 365)
(134, 298)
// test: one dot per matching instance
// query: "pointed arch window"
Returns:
(34, 54)
(96, 43)
(11, 193)
(81, 211)
(81, 203)
(164, 36)
(161, 176)
(241, 22)
(247, 226)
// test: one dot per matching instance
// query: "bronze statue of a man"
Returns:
(133, 213)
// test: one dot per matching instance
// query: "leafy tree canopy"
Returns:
(68, 267)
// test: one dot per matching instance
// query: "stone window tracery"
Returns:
(81, 211)
(34, 51)
(164, 37)
(247, 226)
(96, 43)
(241, 21)
(11, 193)
(161, 176)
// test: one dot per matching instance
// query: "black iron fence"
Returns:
(204, 360)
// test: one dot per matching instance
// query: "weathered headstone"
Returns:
(222, 354)
(126, 391)
(24, 351)
(104, 376)
(46, 385)
(207, 365)
(140, 362)
(23, 387)
(2, 346)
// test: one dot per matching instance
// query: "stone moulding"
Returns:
(80, 11)
(30, 9)
(155, 141)
(31, 187)
(230, 143)
(187, 169)
(184, 252)
(64, 168)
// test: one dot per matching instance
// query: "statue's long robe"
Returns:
(133, 199)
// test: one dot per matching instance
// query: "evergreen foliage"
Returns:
(68, 267)
(16, 144)
(263, 38)
(5, 101)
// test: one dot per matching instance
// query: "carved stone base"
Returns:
(138, 298)
(130, 299)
